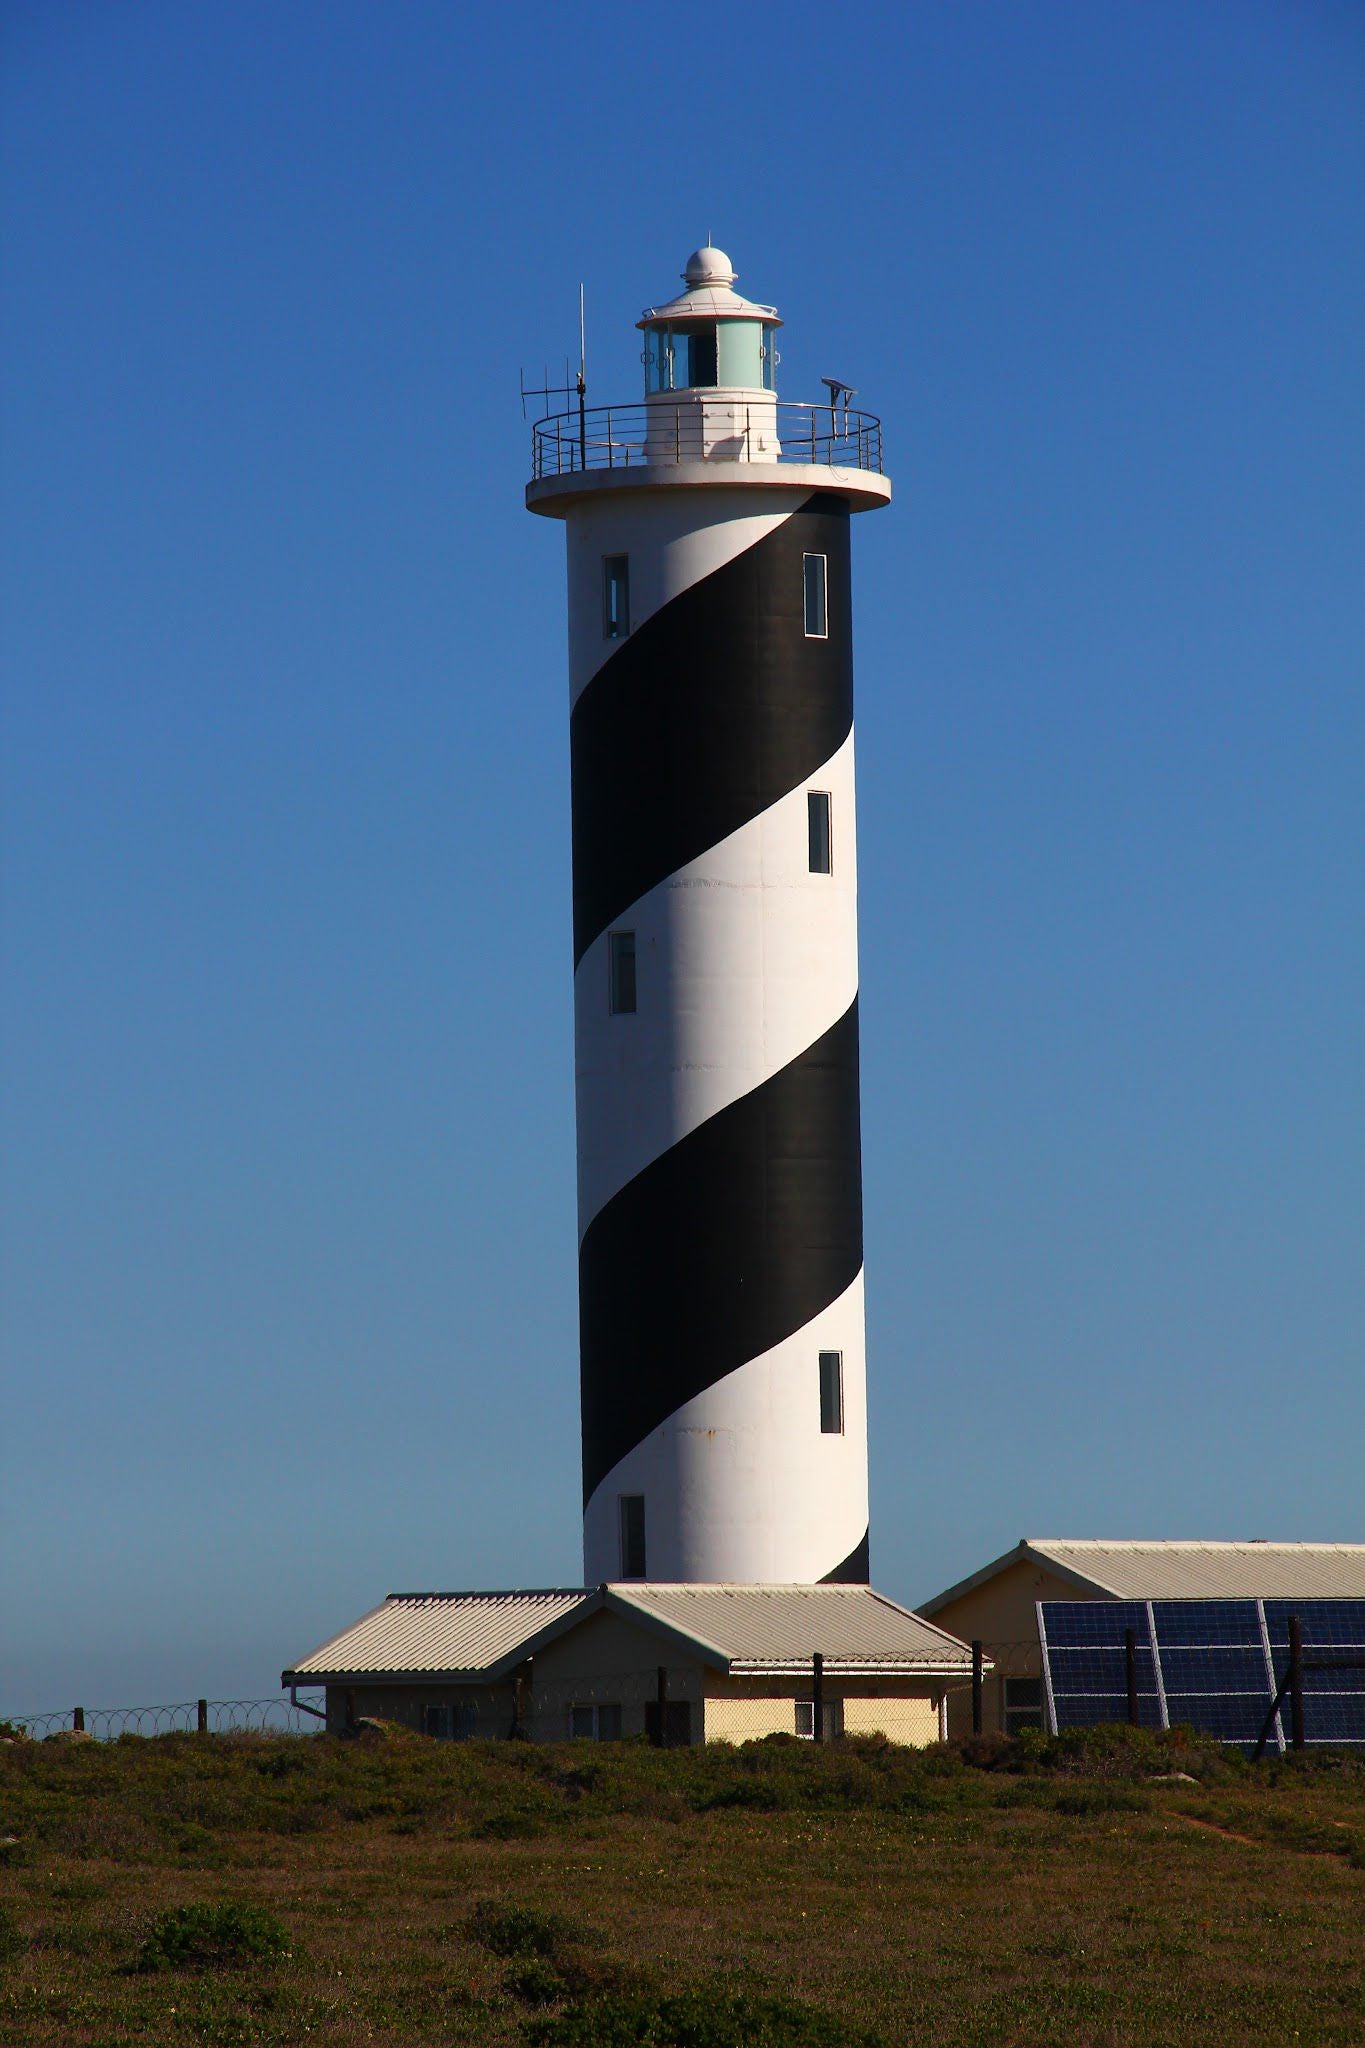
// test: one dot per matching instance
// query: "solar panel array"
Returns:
(1214, 1664)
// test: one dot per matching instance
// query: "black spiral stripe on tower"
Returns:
(749, 1226)
(731, 1241)
(708, 713)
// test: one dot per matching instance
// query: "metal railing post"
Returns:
(978, 1702)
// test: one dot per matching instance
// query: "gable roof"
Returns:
(1183, 1570)
(752, 1629)
(446, 1635)
(741, 1630)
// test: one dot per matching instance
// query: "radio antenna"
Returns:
(579, 386)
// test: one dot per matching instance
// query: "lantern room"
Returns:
(709, 338)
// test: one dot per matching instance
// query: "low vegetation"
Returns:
(1104, 1890)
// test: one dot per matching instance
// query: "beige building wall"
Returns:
(913, 1719)
(608, 1661)
(1001, 1613)
(746, 1709)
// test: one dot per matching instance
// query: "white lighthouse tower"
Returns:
(715, 948)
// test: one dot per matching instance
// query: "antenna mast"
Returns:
(582, 383)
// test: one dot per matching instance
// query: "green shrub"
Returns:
(536, 1982)
(519, 1931)
(213, 1938)
(696, 2019)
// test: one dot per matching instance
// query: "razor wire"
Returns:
(176, 1717)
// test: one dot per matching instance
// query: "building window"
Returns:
(459, 1723)
(819, 842)
(832, 1393)
(621, 962)
(833, 1719)
(817, 621)
(615, 596)
(1023, 1704)
(595, 1724)
(631, 1509)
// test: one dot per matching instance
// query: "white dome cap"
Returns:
(708, 265)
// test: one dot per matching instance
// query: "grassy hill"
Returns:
(235, 1890)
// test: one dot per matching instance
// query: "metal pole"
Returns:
(1296, 1680)
(817, 1667)
(78, 1720)
(1130, 1671)
(201, 1716)
(660, 1703)
(978, 1700)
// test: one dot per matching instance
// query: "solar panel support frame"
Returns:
(1162, 1707)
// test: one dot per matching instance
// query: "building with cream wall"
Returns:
(726, 1663)
(998, 1605)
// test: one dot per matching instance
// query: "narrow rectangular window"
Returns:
(818, 832)
(616, 596)
(437, 1721)
(817, 625)
(580, 1723)
(805, 1718)
(1023, 1704)
(633, 1536)
(621, 964)
(832, 1393)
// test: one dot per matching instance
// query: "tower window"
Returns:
(621, 962)
(832, 1393)
(817, 621)
(632, 1510)
(615, 596)
(818, 833)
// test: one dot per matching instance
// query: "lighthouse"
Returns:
(722, 1350)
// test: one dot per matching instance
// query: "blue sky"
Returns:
(289, 1237)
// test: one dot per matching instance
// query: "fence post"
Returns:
(78, 1720)
(660, 1737)
(1130, 1672)
(817, 1671)
(202, 1716)
(1296, 1680)
(350, 1712)
(978, 1689)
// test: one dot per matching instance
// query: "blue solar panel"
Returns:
(1081, 1622)
(1206, 1622)
(1211, 1664)
(1220, 1670)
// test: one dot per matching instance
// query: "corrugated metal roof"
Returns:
(772, 1627)
(445, 1632)
(1212, 1571)
(740, 1628)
